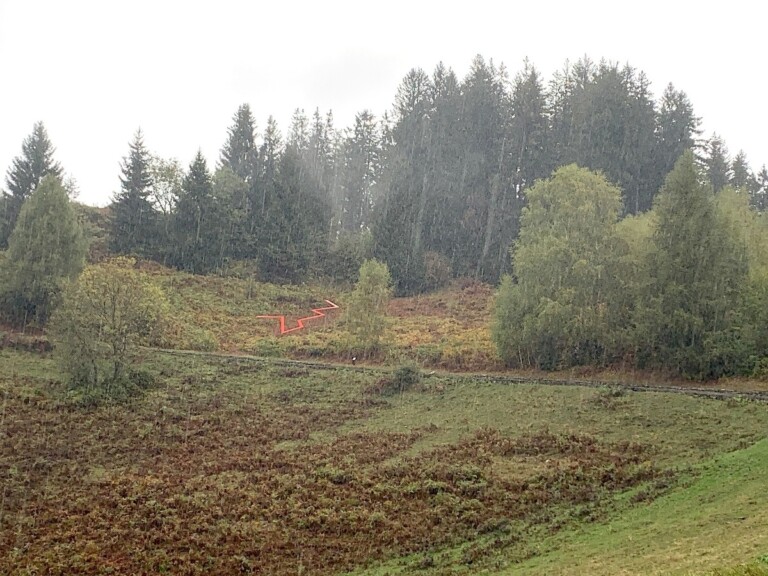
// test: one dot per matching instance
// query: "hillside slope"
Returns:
(721, 519)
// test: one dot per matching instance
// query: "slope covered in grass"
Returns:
(235, 465)
(720, 519)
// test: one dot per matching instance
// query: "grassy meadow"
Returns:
(245, 465)
(246, 456)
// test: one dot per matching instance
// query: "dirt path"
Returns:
(713, 393)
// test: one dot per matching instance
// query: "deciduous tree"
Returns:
(105, 316)
(367, 306)
(557, 310)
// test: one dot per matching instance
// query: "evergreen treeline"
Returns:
(445, 184)
(434, 190)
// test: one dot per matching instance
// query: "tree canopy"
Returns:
(106, 314)
(133, 216)
(557, 309)
(46, 250)
(24, 176)
(367, 306)
(617, 232)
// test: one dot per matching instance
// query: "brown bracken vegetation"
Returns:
(228, 470)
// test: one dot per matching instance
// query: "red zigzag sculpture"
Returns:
(318, 313)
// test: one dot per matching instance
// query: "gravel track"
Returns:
(712, 393)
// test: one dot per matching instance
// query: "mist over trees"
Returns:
(616, 232)
(439, 180)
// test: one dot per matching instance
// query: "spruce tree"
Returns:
(264, 219)
(24, 175)
(741, 174)
(196, 225)
(485, 173)
(360, 172)
(239, 152)
(677, 130)
(397, 209)
(321, 151)
(758, 195)
(697, 270)
(718, 163)
(439, 201)
(528, 129)
(133, 217)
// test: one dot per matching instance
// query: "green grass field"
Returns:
(234, 465)
(719, 519)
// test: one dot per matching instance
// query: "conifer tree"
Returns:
(133, 217)
(231, 198)
(758, 195)
(718, 163)
(239, 152)
(406, 161)
(741, 174)
(677, 130)
(360, 151)
(25, 174)
(45, 250)
(196, 221)
(697, 270)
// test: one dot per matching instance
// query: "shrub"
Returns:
(437, 271)
(405, 377)
(105, 316)
(402, 378)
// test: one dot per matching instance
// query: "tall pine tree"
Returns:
(133, 217)
(360, 151)
(196, 223)
(741, 174)
(697, 274)
(718, 163)
(677, 130)
(26, 172)
(404, 174)
(239, 152)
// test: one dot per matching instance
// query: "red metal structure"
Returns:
(317, 313)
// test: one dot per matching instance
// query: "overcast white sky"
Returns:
(95, 71)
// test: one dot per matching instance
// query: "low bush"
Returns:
(403, 378)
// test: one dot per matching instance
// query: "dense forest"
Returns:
(616, 231)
